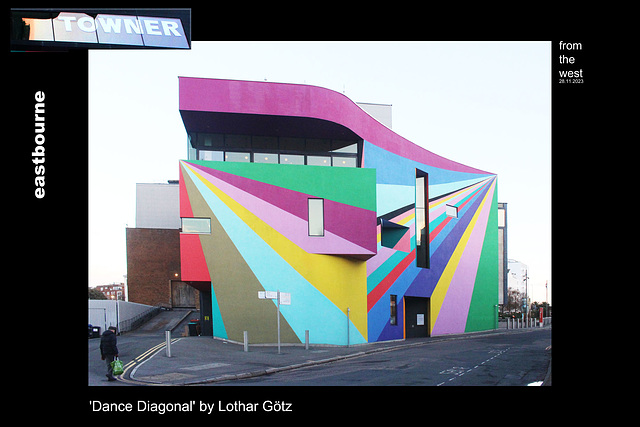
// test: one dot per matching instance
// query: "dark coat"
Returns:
(108, 343)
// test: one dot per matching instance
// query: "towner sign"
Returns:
(109, 29)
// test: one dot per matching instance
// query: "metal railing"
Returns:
(136, 321)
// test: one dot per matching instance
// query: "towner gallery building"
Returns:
(295, 188)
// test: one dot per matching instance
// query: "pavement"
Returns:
(197, 360)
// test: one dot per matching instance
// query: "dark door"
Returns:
(416, 316)
(206, 314)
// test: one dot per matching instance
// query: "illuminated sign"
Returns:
(107, 29)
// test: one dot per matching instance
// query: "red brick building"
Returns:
(114, 291)
(153, 269)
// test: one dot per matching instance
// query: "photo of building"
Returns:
(296, 189)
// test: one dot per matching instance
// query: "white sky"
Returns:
(487, 105)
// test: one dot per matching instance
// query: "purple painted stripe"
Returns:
(452, 318)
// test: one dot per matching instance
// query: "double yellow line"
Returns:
(140, 359)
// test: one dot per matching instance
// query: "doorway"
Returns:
(416, 316)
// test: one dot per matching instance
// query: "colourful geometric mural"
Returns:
(455, 249)
(344, 279)
(259, 241)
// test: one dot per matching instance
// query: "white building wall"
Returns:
(517, 272)
(157, 205)
(105, 313)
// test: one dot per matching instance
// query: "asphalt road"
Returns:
(498, 360)
(129, 345)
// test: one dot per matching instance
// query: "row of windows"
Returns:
(276, 143)
(315, 220)
(283, 159)
(273, 149)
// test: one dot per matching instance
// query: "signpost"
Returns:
(283, 298)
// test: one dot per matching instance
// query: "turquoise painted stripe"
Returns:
(218, 324)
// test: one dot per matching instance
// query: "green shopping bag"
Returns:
(117, 366)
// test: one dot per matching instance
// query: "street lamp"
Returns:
(526, 293)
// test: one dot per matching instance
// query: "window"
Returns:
(422, 219)
(210, 155)
(196, 225)
(230, 156)
(265, 158)
(502, 216)
(451, 211)
(344, 162)
(316, 217)
(291, 159)
(319, 160)
(210, 139)
(280, 149)
(393, 315)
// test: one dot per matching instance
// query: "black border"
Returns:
(54, 249)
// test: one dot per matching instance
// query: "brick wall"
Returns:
(153, 261)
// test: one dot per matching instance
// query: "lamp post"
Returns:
(526, 294)
(546, 294)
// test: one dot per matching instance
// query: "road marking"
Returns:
(202, 367)
(459, 371)
(140, 360)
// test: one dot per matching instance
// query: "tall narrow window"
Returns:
(316, 217)
(422, 219)
(393, 315)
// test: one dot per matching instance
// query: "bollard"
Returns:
(246, 341)
(168, 345)
(306, 339)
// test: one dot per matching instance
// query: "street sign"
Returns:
(285, 297)
(282, 298)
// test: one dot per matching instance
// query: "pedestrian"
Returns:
(109, 349)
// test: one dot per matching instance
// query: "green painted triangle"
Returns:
(351, 186)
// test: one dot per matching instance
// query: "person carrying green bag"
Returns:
(109, 350)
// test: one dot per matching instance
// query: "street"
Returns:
(129, 345)
(516, 359)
